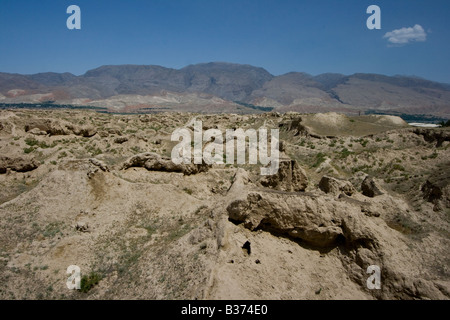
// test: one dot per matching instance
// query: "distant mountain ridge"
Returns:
(294, 91)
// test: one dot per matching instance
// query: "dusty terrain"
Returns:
(97, 191)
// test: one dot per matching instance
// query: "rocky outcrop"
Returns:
(336, 186)
(99, 164)
(17, 164)
(154, 162)
(37, 132)
(82, 226)
(294, 127)
(437, 191)
(114, 131)
(49, 126)
(84, 131)
(431, 191)
(56, 128)
(433, 136)
(322, 222)
(315, 220)
(120, 140)
(290, 177)
(370, 188)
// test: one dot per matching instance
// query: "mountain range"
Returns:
(226, 87)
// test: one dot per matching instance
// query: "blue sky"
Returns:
(314, 36)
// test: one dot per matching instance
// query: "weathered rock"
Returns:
(139, 160)
(114, 131)
(290, 177)
(369, 188)
(315, 220)
(357, 179)
(82, 226)
(103, 134)
(99, 164)
(37, 132)
(6, 127)
(51, 127)
(327, 166)
(282, 146)
(154, 162)
(336, 186)
(17, 164)
(55, 128)
(91, 173)
(144, 118)
(120, 140)
(294, 126)
(433, 135)
(437, 191)
(239, 190)
(142, 137)
(431, 192)
(85, 131)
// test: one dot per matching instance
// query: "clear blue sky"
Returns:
(314, 36)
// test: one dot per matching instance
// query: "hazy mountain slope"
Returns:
(53, 79)
(293, 91)
(385, 93)
(132, 79)
(9, 81)
(288, 87)
(225, 80)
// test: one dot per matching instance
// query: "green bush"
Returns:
(62, 155)
(89, 281)
(320, 157)
(445, 124)
(397, 167)
(345, 153)
(31, 142)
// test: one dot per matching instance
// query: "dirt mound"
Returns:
(389, 120)
(330, 119)
(333, 124)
